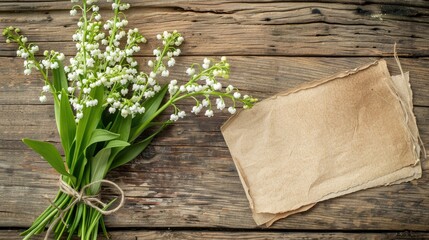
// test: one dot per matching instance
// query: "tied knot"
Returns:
(89, 200)
(92, 200)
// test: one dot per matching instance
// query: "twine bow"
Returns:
(89, 200)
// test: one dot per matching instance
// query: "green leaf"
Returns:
(81, 169)
(122, 126)
(69, 157)
(57, 111)
(89, 122)
(50, 153)
(117, 143)
(152, 105)
(60, 79)
(67, 126)
(99, 167)
(129, 153)
(132, 151)
(101, 135)
(100, 163)
(84, 130)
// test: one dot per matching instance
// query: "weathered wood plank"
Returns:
(31, 5)
(186, 180)
(225, 235)
(37, 121)
(267, 28)
(259, 76)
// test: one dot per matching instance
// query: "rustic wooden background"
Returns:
(185, 186)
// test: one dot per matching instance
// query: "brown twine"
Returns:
(89, 200)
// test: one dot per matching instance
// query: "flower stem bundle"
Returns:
(107, 109)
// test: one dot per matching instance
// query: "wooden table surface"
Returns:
(185, 185)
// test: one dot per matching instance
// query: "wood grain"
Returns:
(259, 76)
(25, 5)
(254, 28)
(186, 179)
(243, 235)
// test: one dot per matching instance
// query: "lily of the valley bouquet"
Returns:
(107, 110)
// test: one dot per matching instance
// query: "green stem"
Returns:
(112, 36)
(32, 58)
(93, 227)
(164, 51)
(143, 126)
(62, 227)
(40, 227)
(85, 26)
(45, 213)
(83, 226)
(115, 20)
